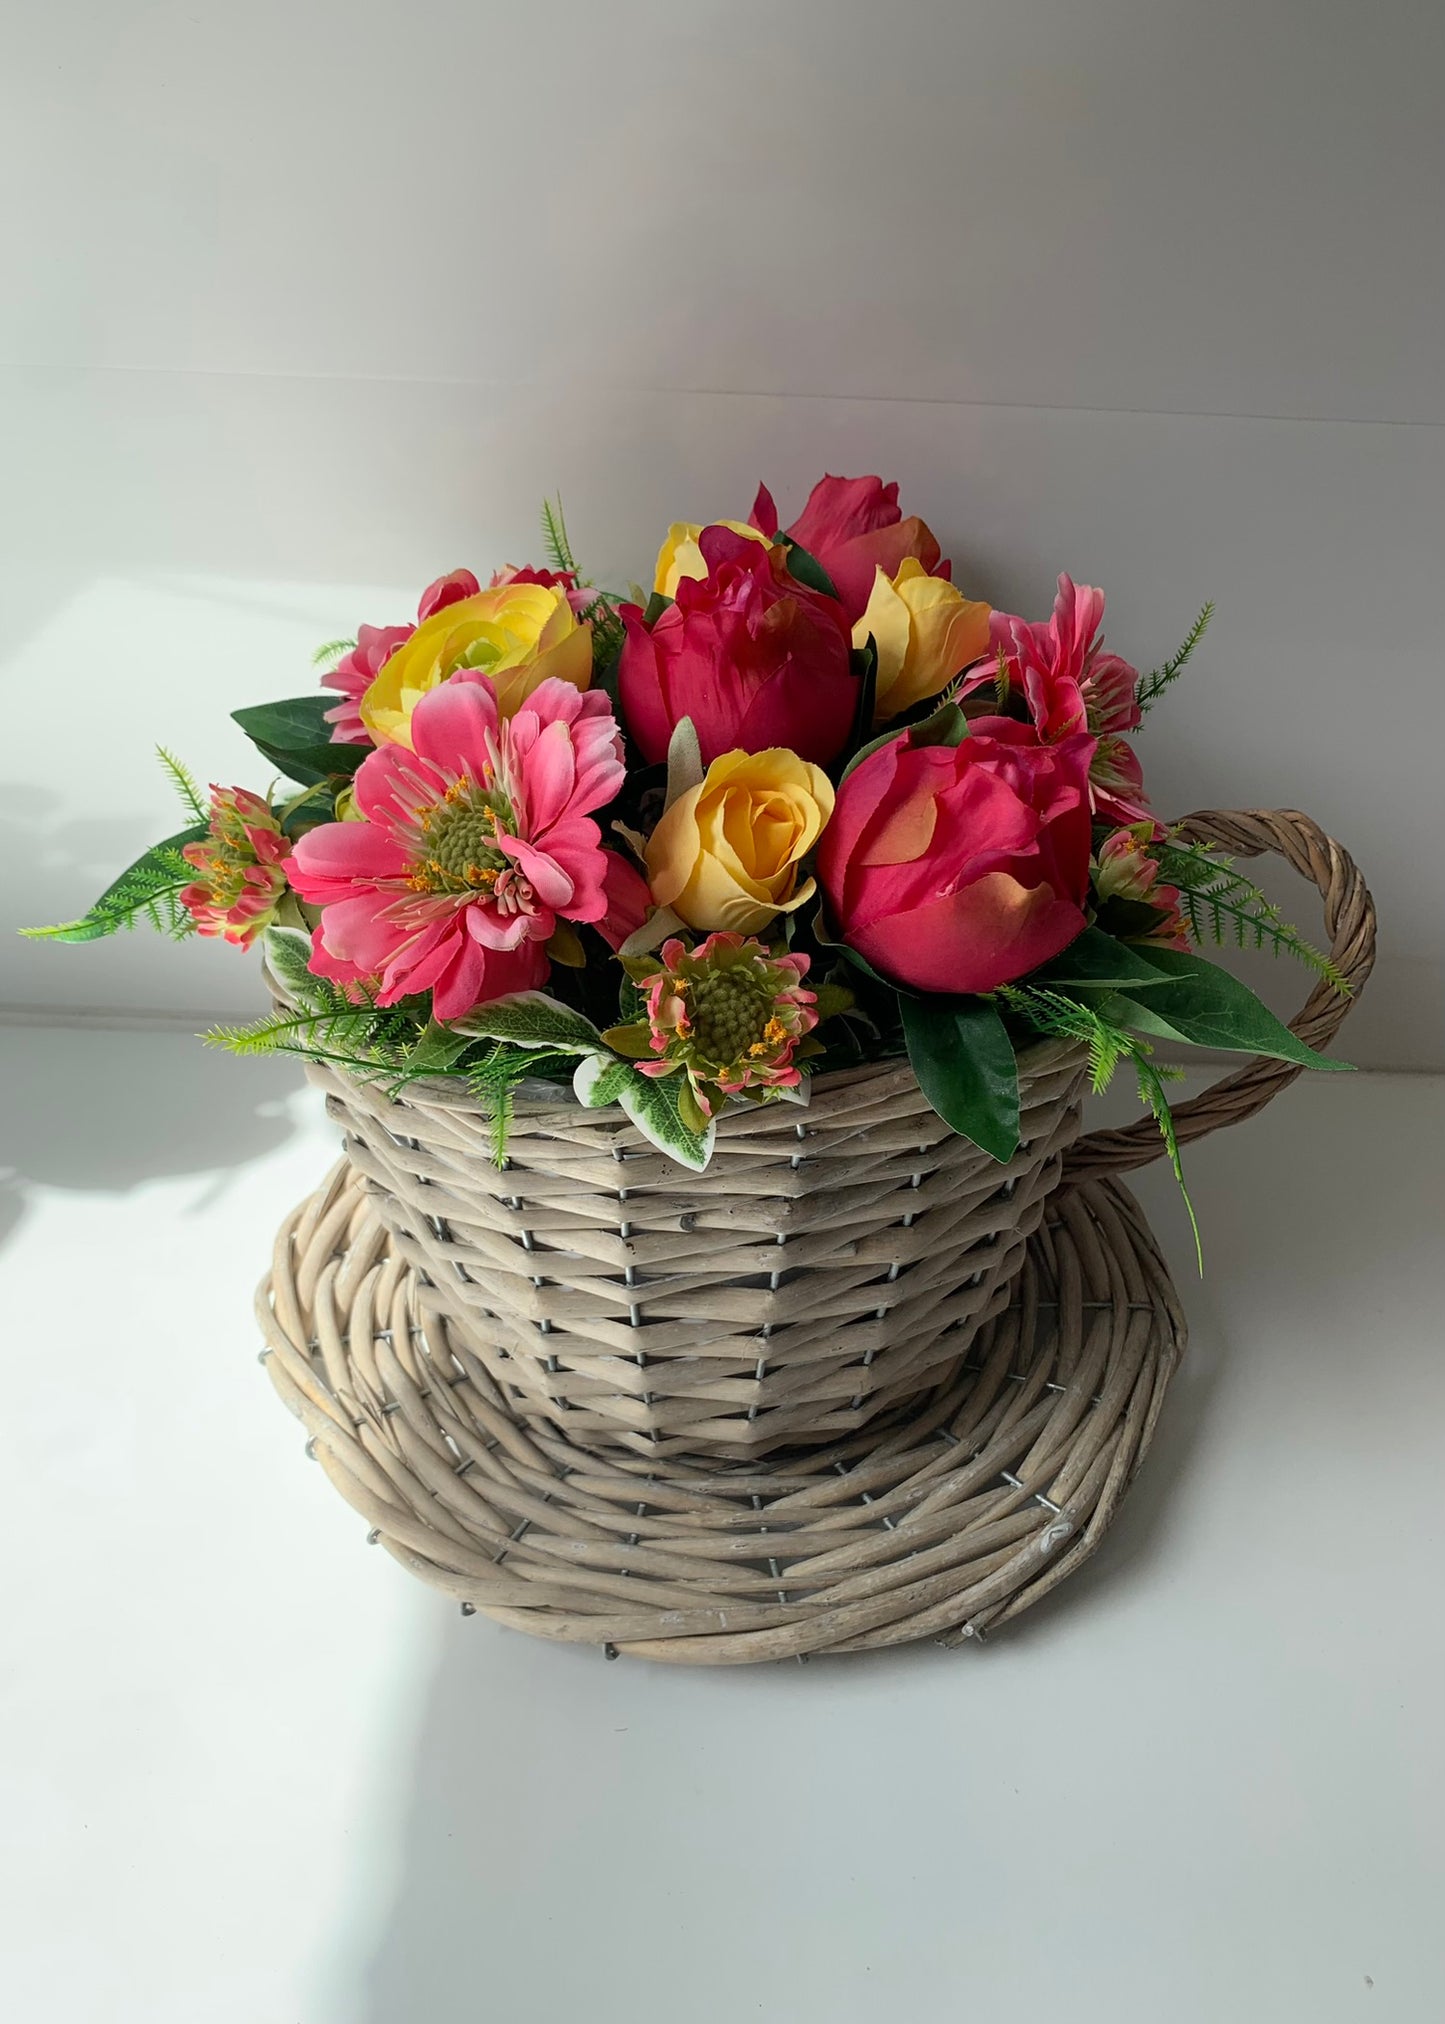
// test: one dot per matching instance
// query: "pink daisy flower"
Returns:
(470, 848)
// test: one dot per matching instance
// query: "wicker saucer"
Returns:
(940, 1522)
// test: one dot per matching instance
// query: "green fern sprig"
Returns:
(608, 631)
(328, 655)
(1153, 685)
(359, 1036)
(493, 1082)
(148, 891)
(1220, 904)
(184, 782)
(1002, 684)
(554, 537)
(1051, 1012)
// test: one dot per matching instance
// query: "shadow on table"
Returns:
(110, 1110)
(536, 1762)
(522, 1742)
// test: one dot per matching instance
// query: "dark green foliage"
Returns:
(964, 1060)
(805, 568)
(296, 738)
(1109, 1043)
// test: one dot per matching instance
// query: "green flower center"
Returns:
(730, 1014)
(457, 849)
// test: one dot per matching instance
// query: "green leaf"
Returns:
(832, 1000)
(661, 923)
(867, 751)
(828, 937)
(309, 809)
(947, 726)
(634, 1040)
(864, 662)
(656, 605)
(1095, 958)
(685, 769)
(295, 737)
(806, 568)
(530, 1019)
(1206, 1007)
(438, 1049)
(288, 958)
(597, 1081)
(965, 1063)
(146, 890)
(655, 1105)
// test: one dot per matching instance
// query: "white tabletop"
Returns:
(256, 1775)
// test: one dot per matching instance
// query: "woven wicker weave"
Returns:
(940, 1523)
(829, 1264)
(1000, 1443)
(832, 1264)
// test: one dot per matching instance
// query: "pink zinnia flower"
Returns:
(241, 882)
(728, 1015)
(355, 672)
(1124, 870)
(1069, 684)
(469, 848)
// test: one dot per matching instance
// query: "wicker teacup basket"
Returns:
(832, 1266)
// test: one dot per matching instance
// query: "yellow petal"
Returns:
(885, 619)
(926, 632)
(514, 626)
(680, 556)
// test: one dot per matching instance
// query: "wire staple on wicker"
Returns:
(832, 1263)
(941, 1522)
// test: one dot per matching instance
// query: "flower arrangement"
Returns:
(804, 806)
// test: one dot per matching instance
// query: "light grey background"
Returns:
(308, 304)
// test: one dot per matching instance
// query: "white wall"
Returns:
(308, 302)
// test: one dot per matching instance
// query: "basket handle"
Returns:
(1350, 922)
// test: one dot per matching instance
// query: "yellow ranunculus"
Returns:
(926, 631)
(519, 634)
(680, 556)
(727, 853)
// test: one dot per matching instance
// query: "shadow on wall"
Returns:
(81, 1112)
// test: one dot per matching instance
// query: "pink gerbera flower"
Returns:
(1067, 683)
(470, 848)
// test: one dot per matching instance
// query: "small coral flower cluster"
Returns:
(712, 793)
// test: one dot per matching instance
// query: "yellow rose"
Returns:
(726, 854)
(926, 631)
(680, 556)
(519, 634)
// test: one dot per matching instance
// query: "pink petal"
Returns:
(548, 881)
(451, 726)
